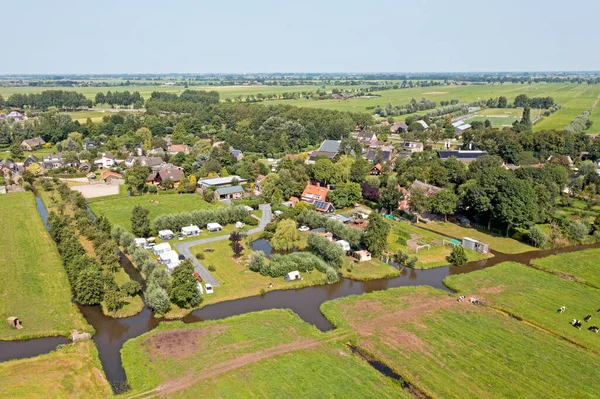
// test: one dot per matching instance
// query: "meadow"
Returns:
(496, 242)
(496, 121)
(72, 371)
(118, 210)
(582, 266)
(33, 282)
(269, 354)
(450, 349)
(369, 270)
(534, 296)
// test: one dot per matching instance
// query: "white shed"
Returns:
(239, 225)
(295, 275)
(212, 227)
(166, 235)
(190, 230)
(161, 248)
(363, 255)
(344, 244)
(141, 243)
(170, 259)
(248, 208)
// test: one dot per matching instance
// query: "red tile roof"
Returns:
(312, 192)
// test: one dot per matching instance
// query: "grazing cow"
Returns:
(594, 329)
(474, 301)
(461, 298)
(561, 309)
(587, 318)
(576, 323)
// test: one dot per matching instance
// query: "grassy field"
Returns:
(33, 282)
(118, 211)
(370, 270)
(95, 116)
(457, 350)
(495, 242)
(574, 99)
(72, 371)
(264, 354)
(582, 266)
(497, 121)
(428, 258)
(534, 296)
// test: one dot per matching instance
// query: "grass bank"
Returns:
(582, 265)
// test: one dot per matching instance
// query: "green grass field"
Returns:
(457, 350)
(118, 211)
(534, 296)
(428, 258)
(574, 99)
(95, 116)
(497, 121)
(33, 282)
(581, 265)
(265, 354)
(73, 371)
(495, 242)
(370, 270)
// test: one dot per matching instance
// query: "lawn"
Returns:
(264, 354)
(428, 258)
(496, 242)
(534, 296)
(582, 266)
(82, 116)
(457, 350)
(72, 371)
(496, 121)
(370, 270)
(33, 282)
(118, 211)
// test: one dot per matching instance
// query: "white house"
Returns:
(161, 248)
(212, 227)
(170, 259)
(106, 161)
(166, 235)
(191, 230)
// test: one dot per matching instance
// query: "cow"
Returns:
(576, 323)
(473, 301)
(561, 309)
(594, 329)
(460, 298)
(587, 318)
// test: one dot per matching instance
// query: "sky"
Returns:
(231, 36)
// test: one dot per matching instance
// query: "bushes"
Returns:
(250, 221)
(257, 261)
(280, 265)
(131, 288)
(157, 299)
(314, 219)
(200, 256)
(222, 216)
(212, 268)
(184, 292)
(329, 251)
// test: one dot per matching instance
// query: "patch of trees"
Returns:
(48, 98)
(189, 101)
(327, 250)
(534, 102)
(314, 220)
(228, 215)
(580, 123)
(280, 265)
(403, 109)
(124, 98)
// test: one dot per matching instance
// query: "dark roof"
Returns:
(365, 135)
(323, 206)
(329, 155)
(173, 174)
(464, 156)
(330, 146)
(229, 190)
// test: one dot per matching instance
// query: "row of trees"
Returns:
(534, 102)
(47, 99)
(124, 98)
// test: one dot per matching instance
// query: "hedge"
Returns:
(222, 216)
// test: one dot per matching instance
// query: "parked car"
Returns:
(180, 237)
(181, 257)
(198, 276)
(304, 228)
(208, 288)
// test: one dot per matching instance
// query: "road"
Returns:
(184, 247)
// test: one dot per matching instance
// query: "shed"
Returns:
(475, 245)
(190, 230)
(291, 276)
(362, 255)
(344, 244)
(166, 235)
(239, 225)
(140, 242)
(212, 227)
(160, 248)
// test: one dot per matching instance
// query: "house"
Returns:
(362, 256)
(89, 144)
(166, 235)
(190, 231)
(366, 138)
(212, 227)
(329, 149)
(386, 153)
(176, 148)
(160, 248)
(32, 144)
(15, 116)
(237, 154)
(258, 183)
(376, 170)
(423, 123)
(85, 167)
(53, 161)
(158, 152)
(475, 245)
(107, 161)
(412, 146)
(31, 159)
(152, 162)
(461, 155)
(109, 176)
(7, 168)
(217, 182)
(428, 188)
(399, 127)
(229, 193)
(323, 206)
(314, 193)
(158, 177)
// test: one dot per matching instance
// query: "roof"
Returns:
(322, 205)
(161, 246)
(423, 123)
(412, 144)
(34, 142)
(463, 127)
(399, 125)
(109, 173)
(315, 192)
(108, 155)
(461, 155)
(219, 181)
(173, 174)
(213, 225)
(329, 155)
(330, 146)
(378, 167)
(178, 148)
(366, 135)
(229, 190)
(429, 188)
(190, 228)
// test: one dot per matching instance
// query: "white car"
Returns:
(208, 288)
(304, 228)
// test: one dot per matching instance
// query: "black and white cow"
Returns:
(594, 329)
(474, 301)
(461, 298)
(576, 323)
(587, 318)
(561, 309)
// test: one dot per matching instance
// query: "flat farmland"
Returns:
(574, 99)
(582, 266)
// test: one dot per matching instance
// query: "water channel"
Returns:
(112, 333)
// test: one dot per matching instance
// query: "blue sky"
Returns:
(226, 36)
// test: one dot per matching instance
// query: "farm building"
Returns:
(475, 245)
(190, 231)
(166, 235)
(160, 248)
(328, 148)
(229, 193)
(212, 227)
(218, 182)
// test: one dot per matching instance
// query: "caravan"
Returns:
(190, 231)
(291, 276)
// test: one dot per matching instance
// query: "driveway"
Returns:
(184, 247)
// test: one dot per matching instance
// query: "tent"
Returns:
(214, 227)
(160, 248)
(190, 230)
(140, 242)
(344, 244)
(166, 235)
(295, 275)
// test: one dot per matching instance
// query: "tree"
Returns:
(458, 257)
(184, 292)
(345, 195)
(89, 287)
(136, 177)
(208, 194)
(443, 202)
(35, 168)
(257, 261)
(286, 237)
(375, 237)
(577, 230)
(516, 204)
(113, 299)
(359, 170)
(140, 223)
(131, 288)
(167, 183)
(323, 170)
(537, 236)
(235, 239)
(157, 299)
(15, 152)
(418, 201)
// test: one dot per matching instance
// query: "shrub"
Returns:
(329, 251)
(160, 277)
(139, 256)
(200, 256)
(262, 292)
(116, 232)
(257, 261)
(578, 231)
(458, 257)
(314, 219)
(212, 268)
(250, 221)
(280, 265)
(537, 236)
(201, 218)
(157, 299)
(148, 267)
(131, 288)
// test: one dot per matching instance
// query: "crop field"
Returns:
(534, 296)
(118, 211)
(574, 99)
(583, 266)
(73, 371)
(33, 282)
(268, 354)
(428, 258)
(450, 349)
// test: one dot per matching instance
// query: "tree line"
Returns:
(47, 99)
